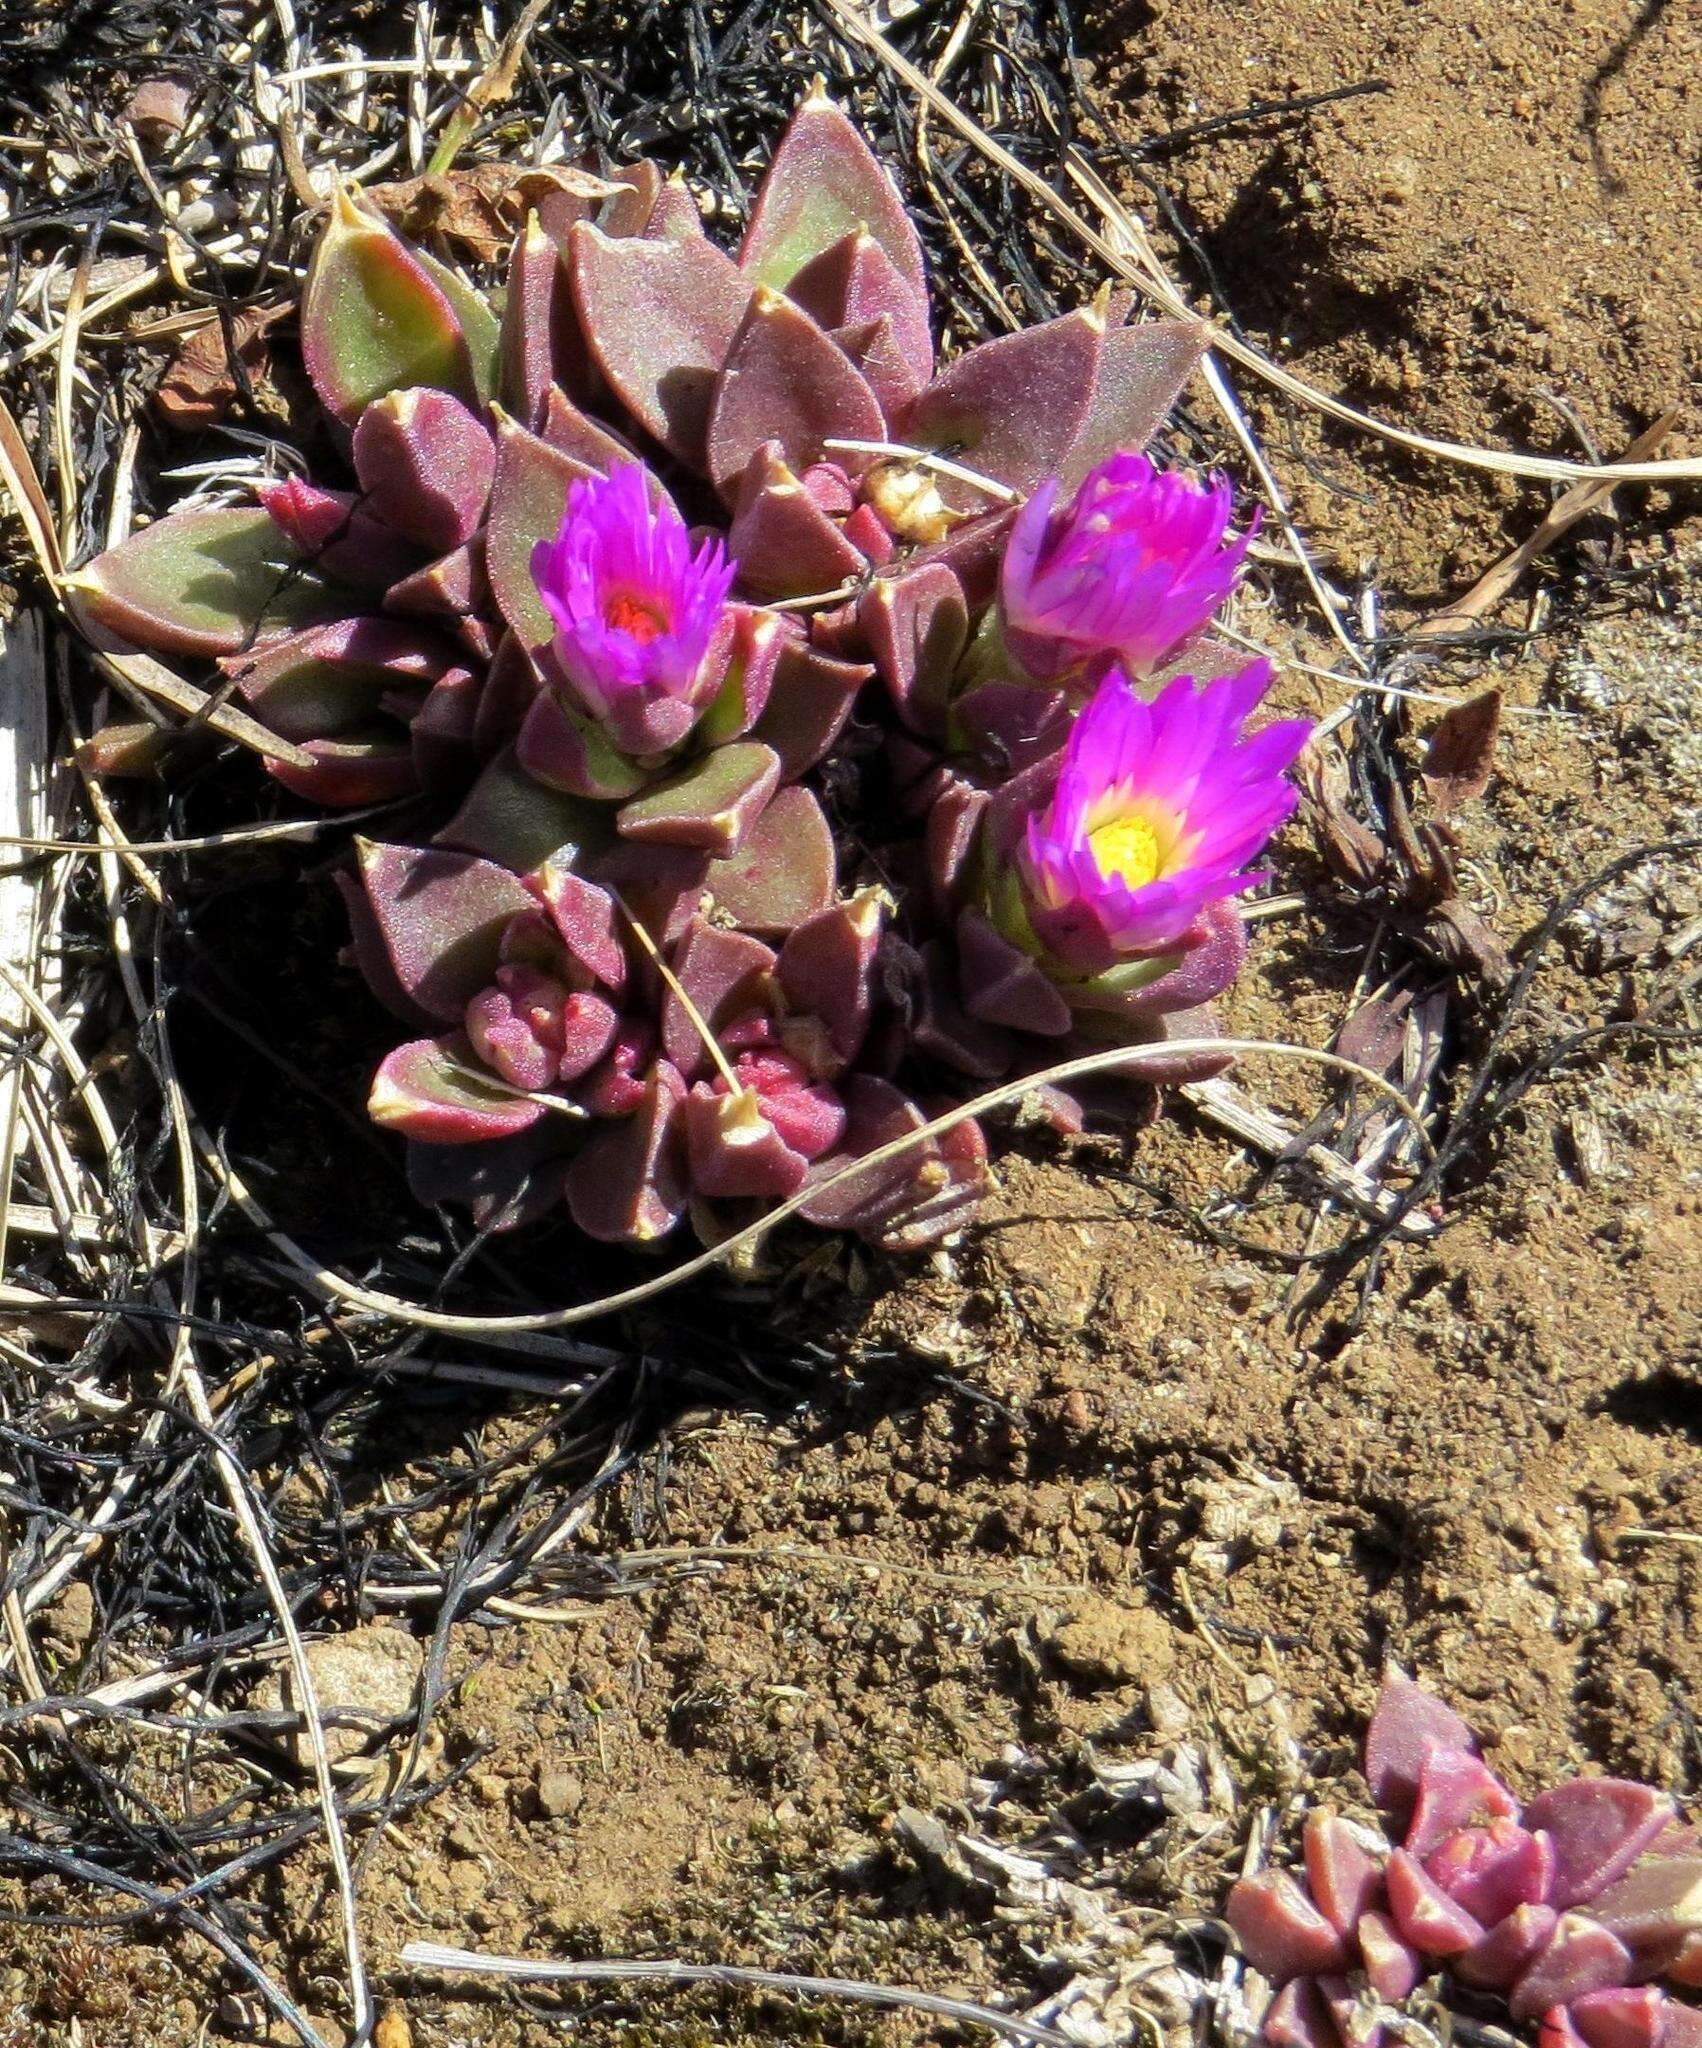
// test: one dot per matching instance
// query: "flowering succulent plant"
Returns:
(1581, 1909)
(617, 550)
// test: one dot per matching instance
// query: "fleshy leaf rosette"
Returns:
(1581, 1910)
(696, 1068)
(592, 590)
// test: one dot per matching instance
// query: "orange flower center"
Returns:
(631, 615)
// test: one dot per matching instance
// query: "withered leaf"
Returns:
(1465, 941)
(1351, 848)
(199, 387)
(1376, 1032)
(482, 208)
(1461, 755)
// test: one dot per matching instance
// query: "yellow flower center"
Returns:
(1127, 848)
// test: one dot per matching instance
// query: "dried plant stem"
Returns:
(429, 1955)
(1119, 1059)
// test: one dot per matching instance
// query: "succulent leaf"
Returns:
(823, 184)
(783, 381)
(628, 1184)
(435, 1090)
(211, 580)
(441, 917)
(376, 316)
(661, 317)
(1142, 372)
(784, 871)
(528, 495)
(809, 700)
(711, 804)
(1012, 407)
(514, 820)
(425, 464)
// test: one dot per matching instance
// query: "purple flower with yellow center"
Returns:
(1132, 567)
(635, 610)
(1156, 812)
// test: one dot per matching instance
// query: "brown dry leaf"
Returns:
(483, 207)
(157, 109)
(1352, 849)
(1461, 756)
(1465, 942)
(199, 389)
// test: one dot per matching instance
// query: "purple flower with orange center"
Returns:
(1132, 567)
(635, 609)
(1157, 810)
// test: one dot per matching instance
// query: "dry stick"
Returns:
(1118, 1059)
(1563, 515)
(1149, 277)
(430, 1955)
(238, 1493)
(23, 718)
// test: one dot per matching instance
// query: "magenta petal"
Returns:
(1408, 1724)
(661, 317)
(1423, 1912)
(1582, 1956)
(1599, 1828)
(1393, 1967)
(1281, 1931)
(1344, 1877)
(1508, 1949)
(1455, 1790)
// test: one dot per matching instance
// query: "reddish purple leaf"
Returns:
(1392, 1966)
(735, 1152)
(661, 317)
(784, 382)
(1599, 1828)
(1142, 372)
(1000, 984)
(628, 1184)
(1408, 1724)
(425, 463)
(1455, 1790)
(826, 967)
(436, 1090)
(1281, 1931)
(1621, 2018)
(1423, 1912)
(1581, 1957)
(721, 973)
(784, 871)
(784, 543)
(824, 183)
(441, 917)
(1011, 407)
(1344, 1877)
(1501, 1956)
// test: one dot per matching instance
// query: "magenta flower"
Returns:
(1136, 563)
(634, 609)
(1157, 810)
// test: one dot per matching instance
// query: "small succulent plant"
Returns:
(1582, 1910)
(635, 560)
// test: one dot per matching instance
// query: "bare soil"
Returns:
(1096, 1491)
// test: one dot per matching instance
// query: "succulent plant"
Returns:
(617, 554)
(1580, 1909)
